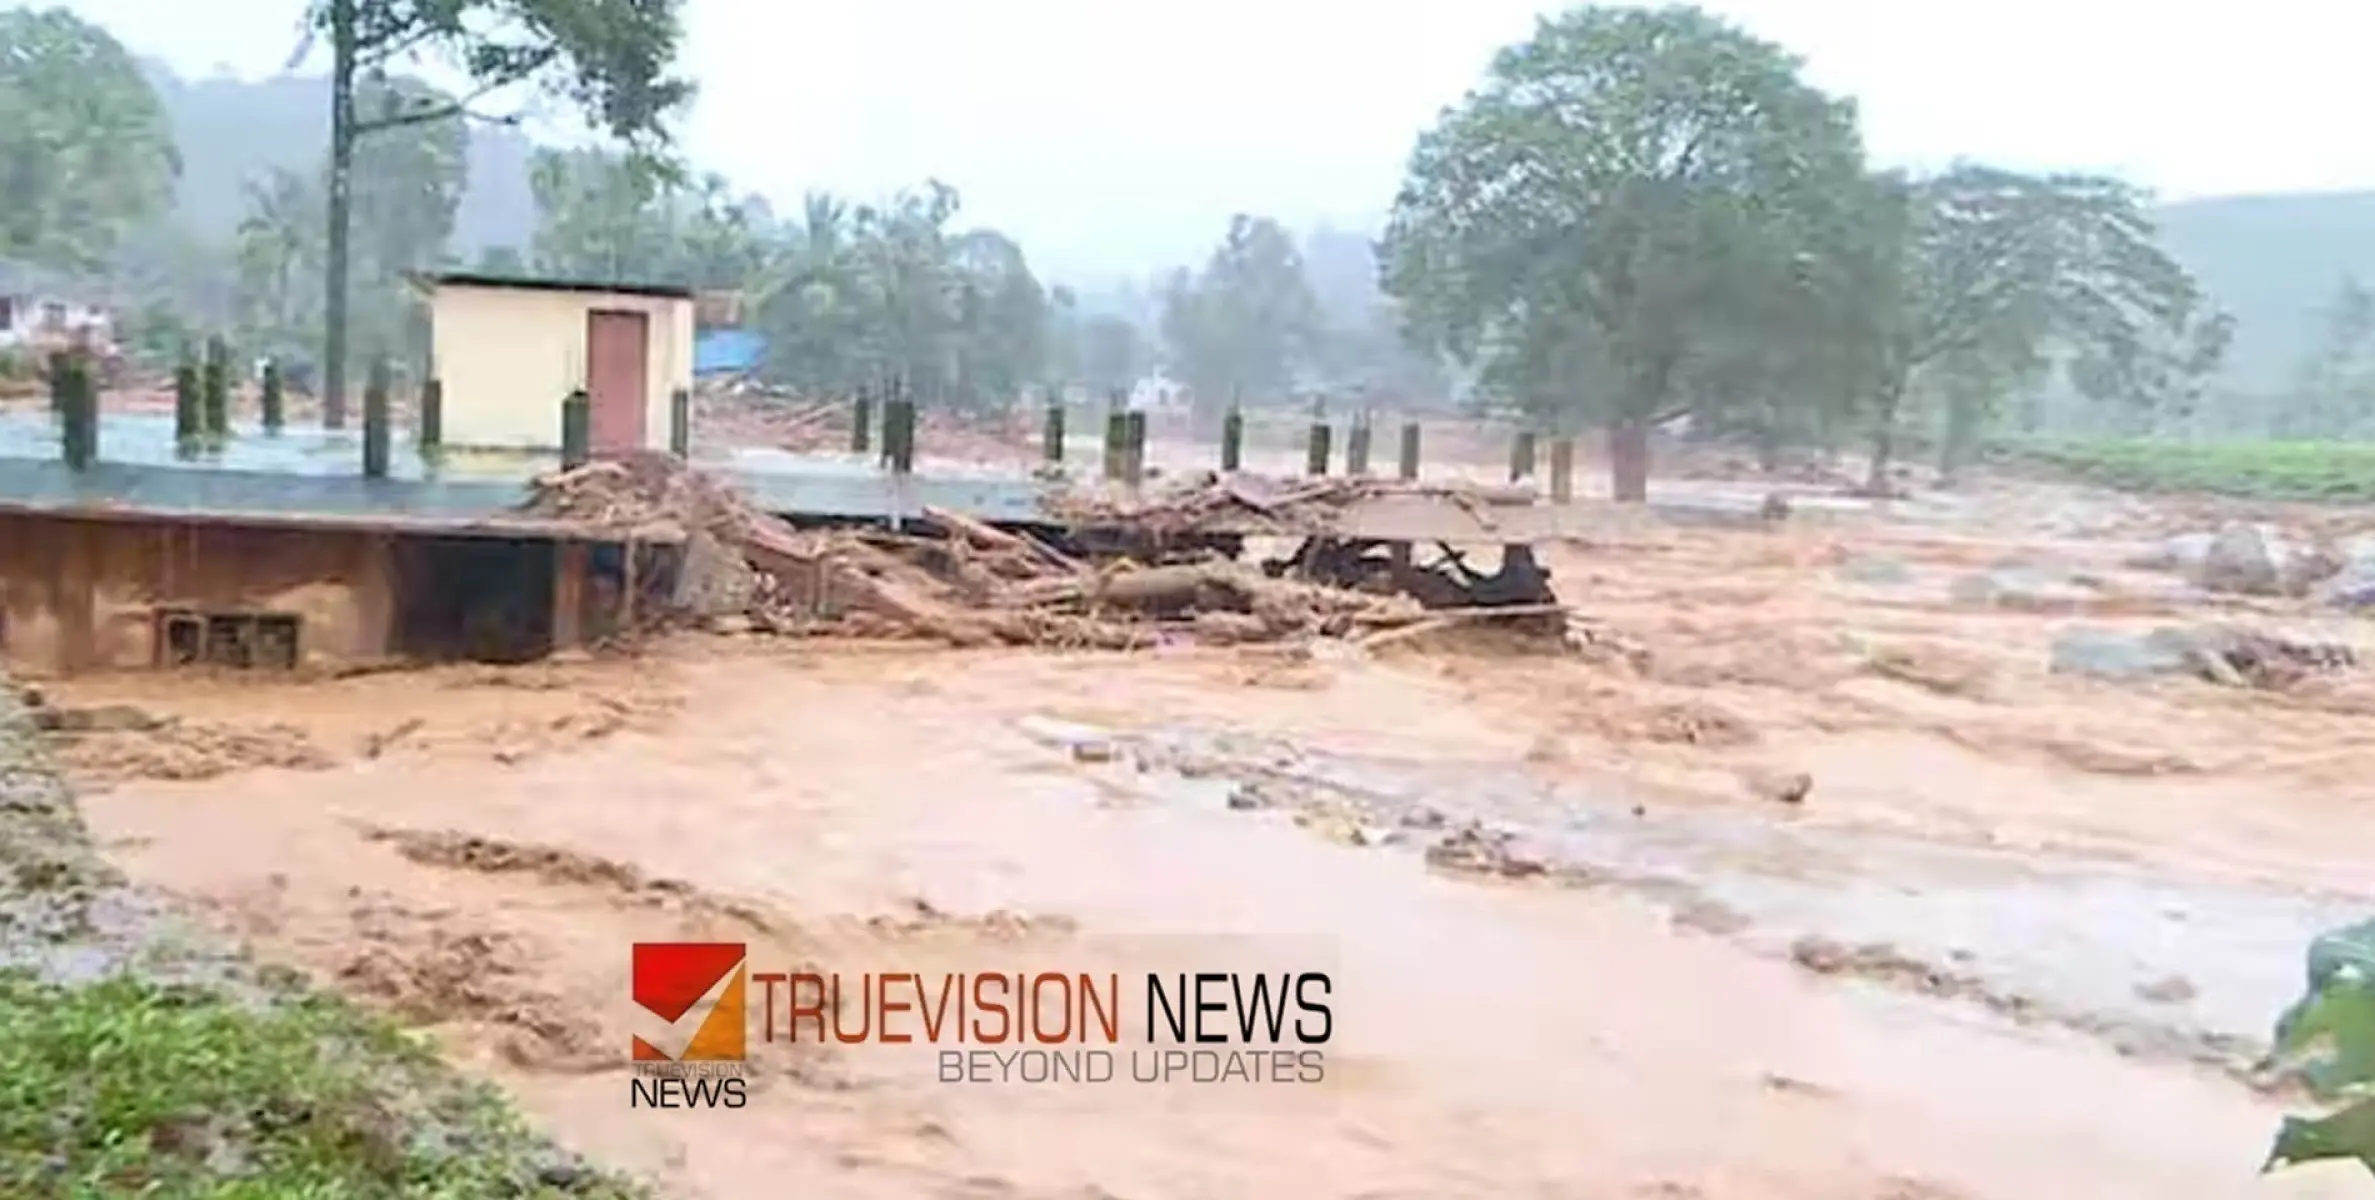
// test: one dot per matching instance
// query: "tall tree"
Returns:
(1247, 322)
(723, 238)
(608, 58)
(812, 304)
(2336, 392)
(1113, 352)
(279, 248)
(85, 149)
(1601, 211)
(600, 215)
(1001, 319)
(1990, 272)
(1359, 344)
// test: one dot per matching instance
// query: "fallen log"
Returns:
(990, 537)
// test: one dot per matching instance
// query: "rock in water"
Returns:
(2182, 553)
(2117, 654)
(2242, 560)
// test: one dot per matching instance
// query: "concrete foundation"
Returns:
(91, 591)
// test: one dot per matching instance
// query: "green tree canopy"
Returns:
(1245, 324)
(86, 153)
(1989, 276)
(1623, 193)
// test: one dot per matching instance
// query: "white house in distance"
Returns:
(509, 350)
(33, 320)
(1158, 393)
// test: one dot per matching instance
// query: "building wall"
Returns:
(507, 357)
(80, 594)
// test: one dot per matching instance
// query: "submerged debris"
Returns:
(2221, 654)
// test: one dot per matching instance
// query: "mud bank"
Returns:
(142, 1053)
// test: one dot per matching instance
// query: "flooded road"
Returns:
(1788, 884)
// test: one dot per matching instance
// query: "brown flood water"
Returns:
(889, 808)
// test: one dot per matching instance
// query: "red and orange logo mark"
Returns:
(697, 988)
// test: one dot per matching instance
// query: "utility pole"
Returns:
(342, 172)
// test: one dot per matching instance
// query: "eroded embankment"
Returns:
(141, 1055)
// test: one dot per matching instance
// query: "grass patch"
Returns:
(124, 1087)
(2255, 470)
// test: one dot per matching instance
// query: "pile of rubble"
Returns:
(977, 585)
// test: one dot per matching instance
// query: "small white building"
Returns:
(41, 320)
(508, 351)
(1158, 393)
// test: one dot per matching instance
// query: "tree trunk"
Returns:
(1628, 460)
(1960, 446)
(342, 171)
(1768, 438)
(1884, 440)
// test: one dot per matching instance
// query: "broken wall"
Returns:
(85, 593)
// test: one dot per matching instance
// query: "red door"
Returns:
(616, 379)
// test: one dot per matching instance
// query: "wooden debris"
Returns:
(982, 585)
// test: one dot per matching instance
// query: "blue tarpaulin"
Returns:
(727, 352)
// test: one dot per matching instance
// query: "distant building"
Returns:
(1158, 393)
(509, 350)
(37, 320)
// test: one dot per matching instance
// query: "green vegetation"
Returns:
(2256, 470)
(1647, 214)
(124, 1087)
(1637, 214)
(2328, 1038)
(84, 146)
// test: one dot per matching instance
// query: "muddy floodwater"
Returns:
(1802, 876)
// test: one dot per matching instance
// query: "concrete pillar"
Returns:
(1117, 440)
(898, 435)
(1521, 456)
(273, 397)
(214, 389)
(431, 433)
(375, 422)
(1408, 467)
(1134, 447)
(1356, 447)
(680, 423)
(1232, 440)
(576, 429)
(78, 431)
(188, 420)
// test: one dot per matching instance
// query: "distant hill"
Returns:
(2273, 261)
(231, 131)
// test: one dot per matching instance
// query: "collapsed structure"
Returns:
(136, 542)
(1104, 570)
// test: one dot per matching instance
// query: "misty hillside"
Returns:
(231, 131)
(2272, 261)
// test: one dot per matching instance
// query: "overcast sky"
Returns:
(1115, 136)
